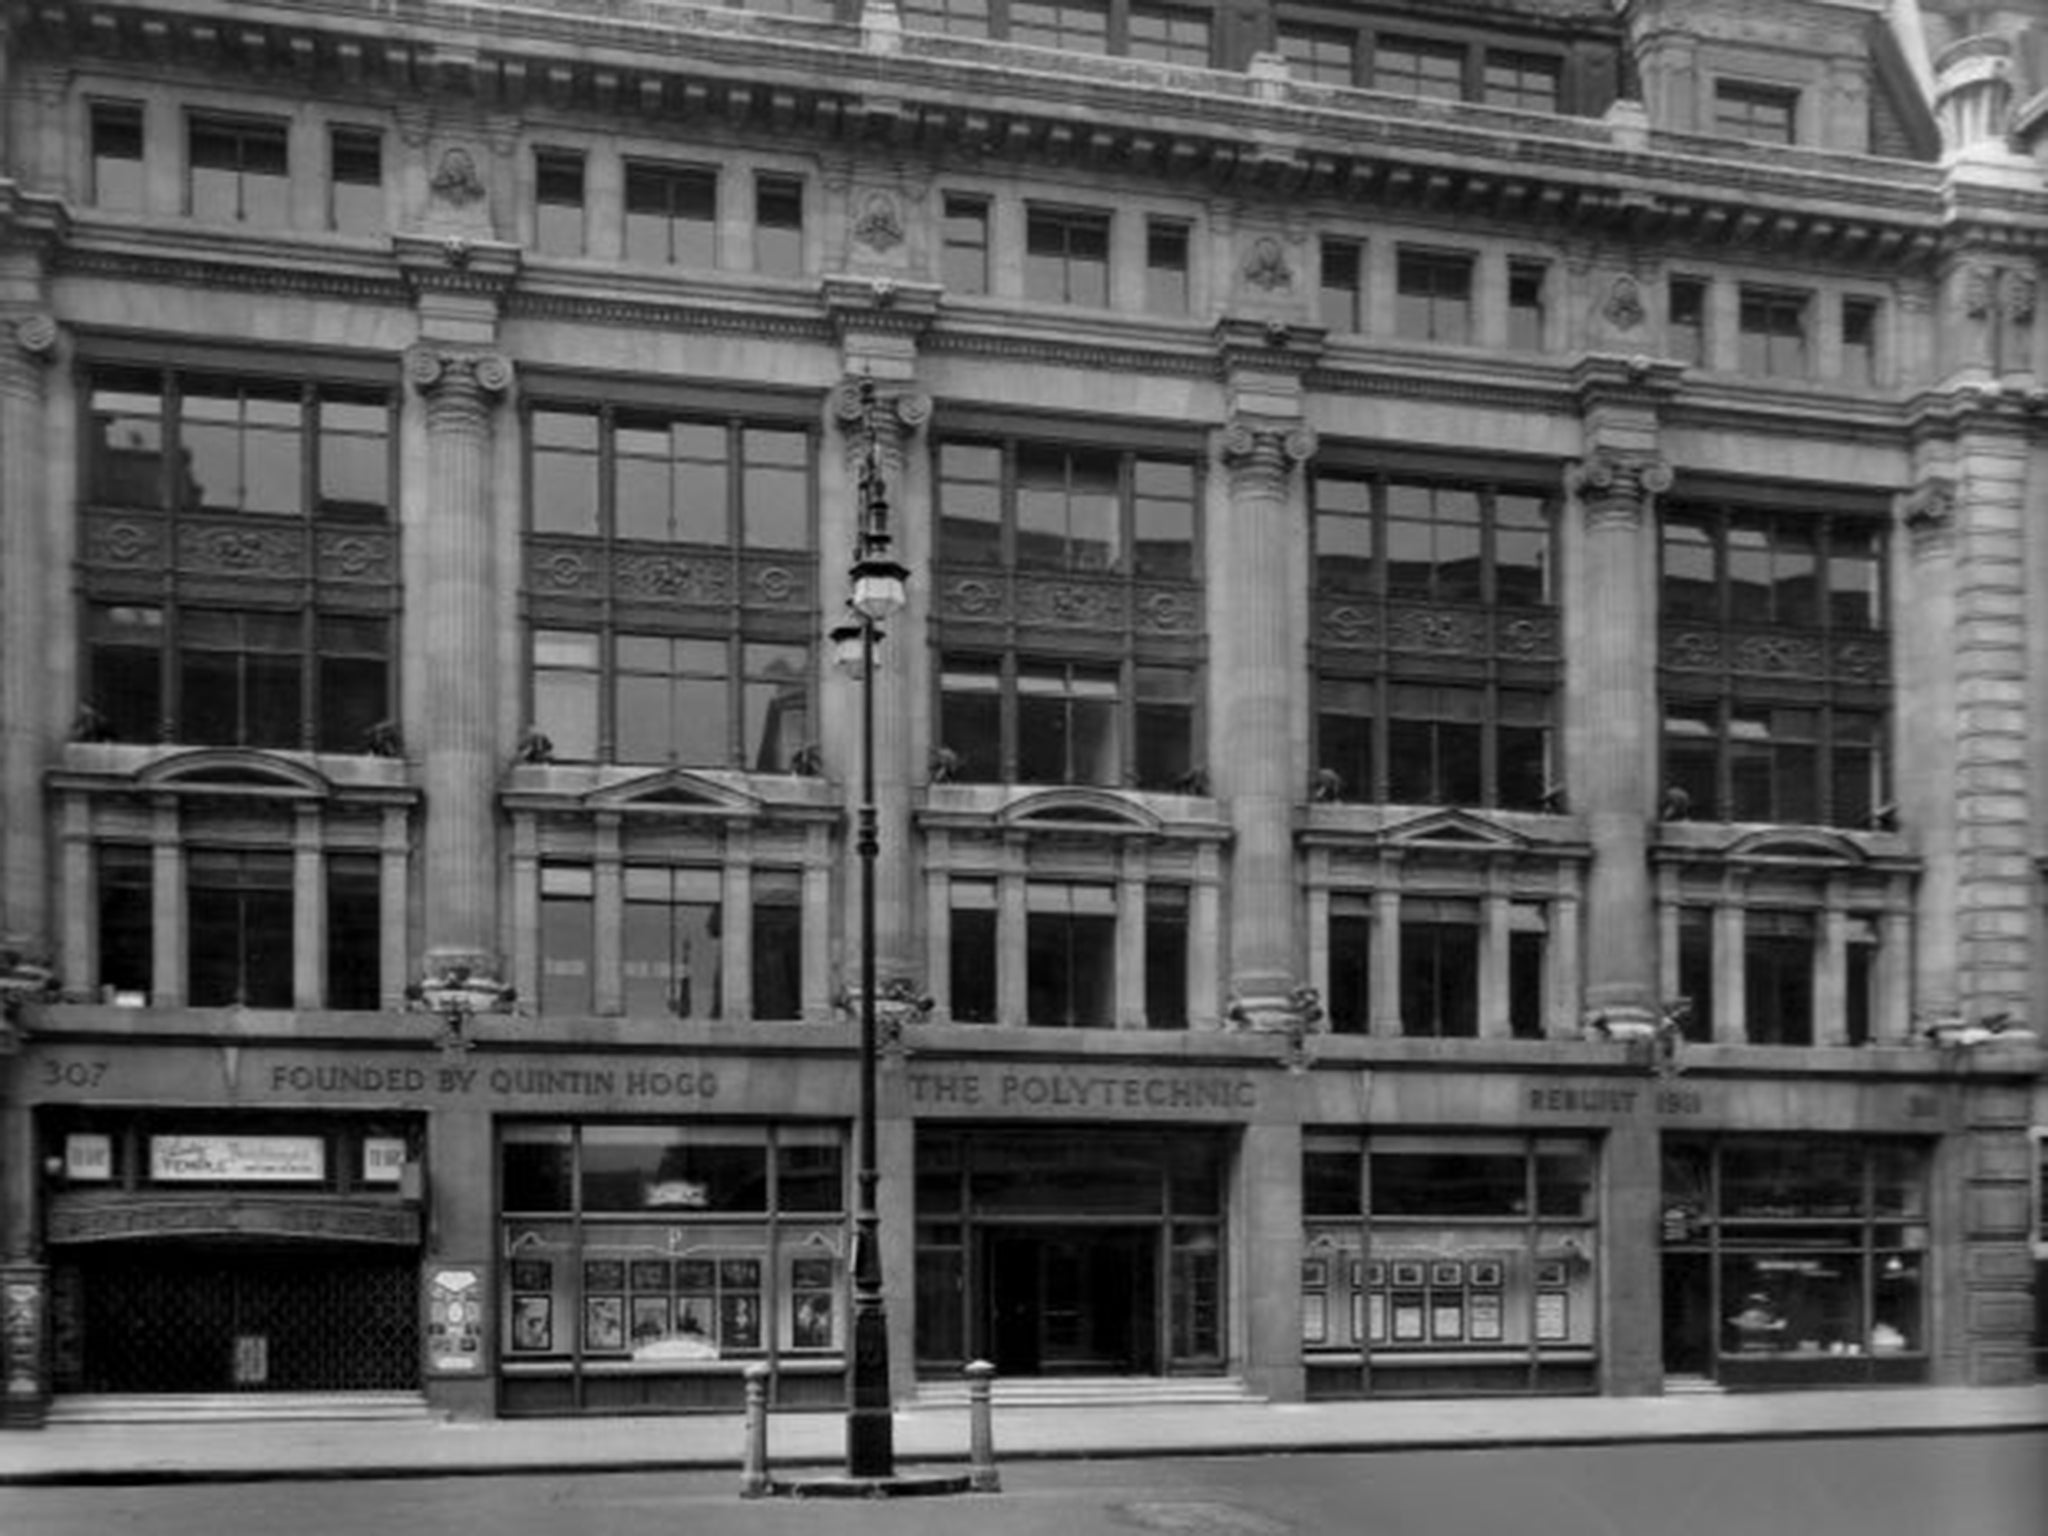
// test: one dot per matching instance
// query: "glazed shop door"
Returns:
(1073, 1300)
(250, 1320)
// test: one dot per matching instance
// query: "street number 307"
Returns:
(73, 1074)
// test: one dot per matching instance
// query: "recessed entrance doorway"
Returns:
(1072, 1301)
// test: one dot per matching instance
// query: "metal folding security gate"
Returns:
(302, 1320)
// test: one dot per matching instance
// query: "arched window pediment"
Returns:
(1775, 845)
(1088, 809)
(234, 770)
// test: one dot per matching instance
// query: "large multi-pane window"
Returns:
(1413, 704)
(1794, 1260)
(672, 215)
(1433, 296)
(1103, 533)
(1340, 289)
(239, 927)
(672, 934)
(1066, 255)
(238, 170)
(1448, 1263)
(641, 1250)
(1685, 319)
(1776, 661)
(558, 202)
(1436, 66)
(1070, 955)
(355, 181)
(694, 644)
(779, 225)
(964, 244)
(1166, 266)
(1169, 34)
(1763, 114)
(118, 182)
(266, 618)
(1772, 332)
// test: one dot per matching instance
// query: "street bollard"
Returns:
(981, 1440)
(754, 1473)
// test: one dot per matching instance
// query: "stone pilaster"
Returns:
(897, 415)
(1993, 802)
(461, 732)
(1256, 663)
(1616, 789)
(27, 345)
(1924, 618)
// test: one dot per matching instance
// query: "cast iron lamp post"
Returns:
(878, 582)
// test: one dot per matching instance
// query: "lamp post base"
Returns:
(870, 1443)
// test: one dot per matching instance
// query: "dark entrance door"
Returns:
(1073, 1300)
(1688, 1314)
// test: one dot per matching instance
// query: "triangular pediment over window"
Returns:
(1457, 830)
(1088, 809)
(233, 771)
(675, 791)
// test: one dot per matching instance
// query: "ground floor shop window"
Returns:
(1791, 1260)
(1448, 1264)
(644, 1264)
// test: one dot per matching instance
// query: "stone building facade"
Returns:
(1460, 790)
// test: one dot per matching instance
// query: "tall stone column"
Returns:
(876, 441)
(1255, 664)
(459, 729)
(1616, 786)
(27, 345)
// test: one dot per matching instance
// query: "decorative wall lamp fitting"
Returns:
(456, 994)
(22, 981)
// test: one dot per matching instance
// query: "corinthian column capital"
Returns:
(904, 410)
(34, 349)
(35, 336)
(1617, 487)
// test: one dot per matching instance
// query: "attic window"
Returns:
(1762, 114)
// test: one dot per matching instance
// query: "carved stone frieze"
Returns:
(984, 599)
(1530, 637)
(565, 571)
(1779, 655)
(123, 542)
(1691, 650)
(781, 581)
(1347, 623)
(355, 556)
(879, 224)
(1436, 631)
(1070, 604)
(659, 576)
(1624, 307)
(1863, 661)
(1167, 610)
(1266, 267)
(242, 549)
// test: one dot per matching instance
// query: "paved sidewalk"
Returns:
(242, 1452)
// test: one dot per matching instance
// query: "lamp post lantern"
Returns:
(877, 593)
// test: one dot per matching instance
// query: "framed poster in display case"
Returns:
(650, 1319)
(1550, 1273)
(648, 1274)
(739, 1274)
(810, 1320)
(1483, 1311)
(1447, 1318)
(1446, 1273)
(1315, 1317)
(1553, 1316)
(1484, 1274)
(1408, 1320)
(695, 1318)
(533, 1275)
(1315, 1273)
(739, 1321)
(696, 1275)
(604, 1275)
(533, 1324)
(1375, 1272)
(1375, 1329)
(810, 1274)
(604, 1323)
(1408, 1272)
